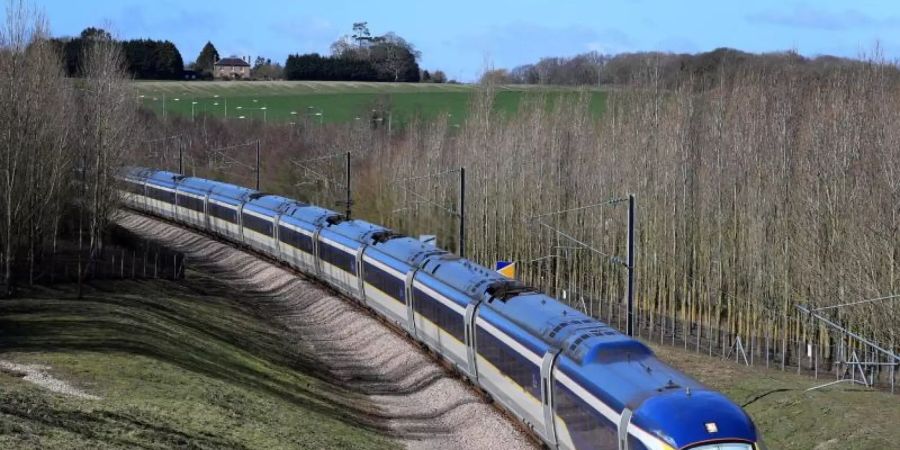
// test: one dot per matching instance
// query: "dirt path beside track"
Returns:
(411, 393)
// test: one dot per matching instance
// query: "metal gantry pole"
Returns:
(462, 212)
(349, 192)
(257, 164)
(630, 324)
(181, 155)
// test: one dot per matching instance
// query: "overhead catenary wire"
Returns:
(459, 213)
(860, 302)
(612, 259)
(228, 161)
(306, 166)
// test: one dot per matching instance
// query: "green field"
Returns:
(334, 102)
(176, 365)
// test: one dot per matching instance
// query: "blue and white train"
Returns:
(572, 380)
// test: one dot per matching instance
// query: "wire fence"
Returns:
(123, 256)
(844, 360)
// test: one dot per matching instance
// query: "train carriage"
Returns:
(340, 246)
(191, 195)
(224, 210)
(509, 365)
(260, 215)
(160, 193)
(384, 283)
(297, 234)
(132, 188)
(439, 313)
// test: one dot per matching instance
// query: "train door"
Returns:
(410, 303)
(317, 260)
(547, 396)
(360, 274)
(471, 350)
(624, 421)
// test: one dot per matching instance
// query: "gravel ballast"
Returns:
(413, 395)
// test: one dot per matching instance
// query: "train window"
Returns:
(585, 424)
(162, 195)
(258, 224)
(337, 258)
(223, 212)
(510, 362)
(191, 203)
(439, 314)
(295, 239)
(385, 282)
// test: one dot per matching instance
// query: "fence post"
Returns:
(752, 341)
(816, 362)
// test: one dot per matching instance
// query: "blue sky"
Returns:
(462, 37)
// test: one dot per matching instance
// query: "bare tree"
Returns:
(108, 115)
(34, 106)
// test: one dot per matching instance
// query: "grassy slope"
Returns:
(846, 418)
(337, 101)
(187, 366)
(175, 367)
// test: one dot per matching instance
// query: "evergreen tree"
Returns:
(207, 59)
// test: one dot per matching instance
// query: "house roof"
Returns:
(232, 62)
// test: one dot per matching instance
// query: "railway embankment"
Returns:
(242, 353)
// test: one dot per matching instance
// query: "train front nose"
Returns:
(697, 420)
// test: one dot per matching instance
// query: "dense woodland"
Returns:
(671, 69)
(360, 57)
(145, 59)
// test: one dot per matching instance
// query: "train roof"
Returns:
(580, 337)
(237, 193)
(275, 203)
(198, 184)
(406, 249)
(356, 230)
(315, 215)
(464, 275)
(163, 178)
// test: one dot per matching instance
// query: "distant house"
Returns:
(233, 67)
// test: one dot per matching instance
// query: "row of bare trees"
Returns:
(766, 190)
(62, 142)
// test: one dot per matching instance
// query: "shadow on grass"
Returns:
(112, 428)
(207, 334)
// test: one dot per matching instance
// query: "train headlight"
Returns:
(711, 427)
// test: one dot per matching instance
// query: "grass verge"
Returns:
(792, 418)
(176, 366)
